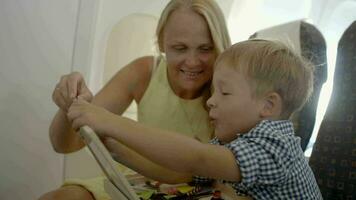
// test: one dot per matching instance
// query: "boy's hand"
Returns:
(82, 113)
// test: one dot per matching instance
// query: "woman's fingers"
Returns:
(62, 85)
(59, 98)
(84, 92)
(70, 87)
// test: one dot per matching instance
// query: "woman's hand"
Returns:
(70, 87)
(82, 113)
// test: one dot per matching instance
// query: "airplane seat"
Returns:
(131, 37)
(306, 39)
(333, 159)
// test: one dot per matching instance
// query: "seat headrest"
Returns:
(288, 33)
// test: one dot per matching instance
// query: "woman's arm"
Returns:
(62, 136)
(128, 84)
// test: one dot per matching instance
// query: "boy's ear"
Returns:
(272, 106)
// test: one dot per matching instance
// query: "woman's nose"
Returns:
(192, 59)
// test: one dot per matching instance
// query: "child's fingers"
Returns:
(74, 112)
(77, 123)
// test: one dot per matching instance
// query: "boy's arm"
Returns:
(140, 164)
(168, 149)
(175, 151)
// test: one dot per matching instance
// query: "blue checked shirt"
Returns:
(272, 163)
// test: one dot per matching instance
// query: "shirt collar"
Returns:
(266, 127)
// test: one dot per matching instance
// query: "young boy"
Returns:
(258, 85)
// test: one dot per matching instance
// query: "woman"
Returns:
(172, 95)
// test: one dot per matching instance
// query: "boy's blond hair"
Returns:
(271, 66)
(212, 14)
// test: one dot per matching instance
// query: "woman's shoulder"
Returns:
(142, 68)
(143, 64)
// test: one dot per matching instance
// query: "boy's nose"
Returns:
(210, 102)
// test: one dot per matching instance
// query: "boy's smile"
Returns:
(233, 109)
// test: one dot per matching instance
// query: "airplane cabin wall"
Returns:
(36, 47)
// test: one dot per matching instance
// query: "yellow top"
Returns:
(160, 107)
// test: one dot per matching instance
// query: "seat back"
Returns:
(132, 37)
(333, 159)
(307, 40)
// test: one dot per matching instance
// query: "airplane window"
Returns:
(247, 17)
(332, 28)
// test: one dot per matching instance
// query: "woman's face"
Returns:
(189, 51)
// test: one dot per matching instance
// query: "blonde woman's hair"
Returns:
(271, 66)
(211, 12)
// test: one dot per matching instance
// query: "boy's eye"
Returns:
(225, 93)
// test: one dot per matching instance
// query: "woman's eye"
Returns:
(206, 48)
(179, 48)
(225, 93)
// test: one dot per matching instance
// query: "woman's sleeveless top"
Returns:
(160, 107)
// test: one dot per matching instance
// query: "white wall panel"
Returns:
(36, 47)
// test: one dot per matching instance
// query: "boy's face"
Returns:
(233, 110)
